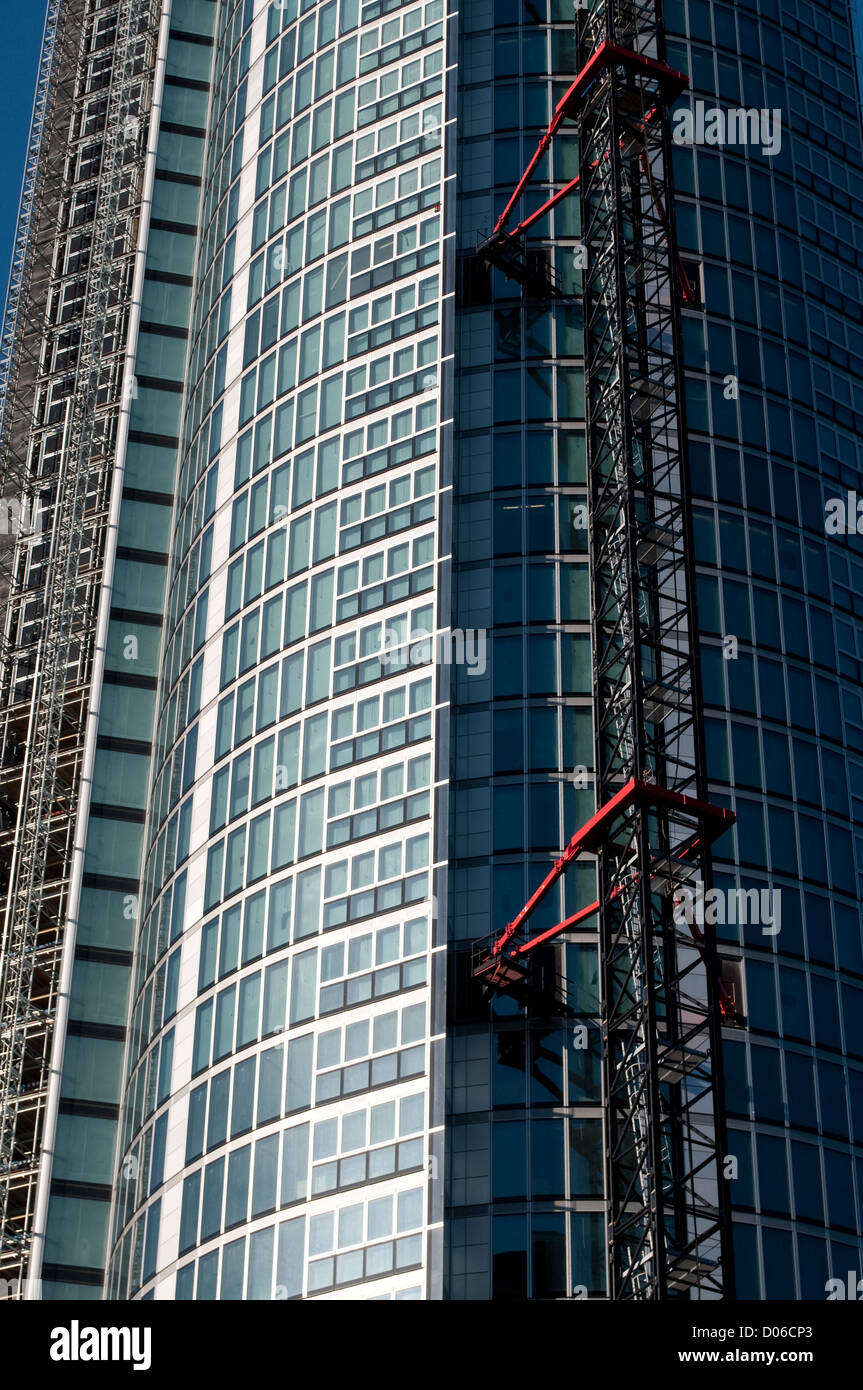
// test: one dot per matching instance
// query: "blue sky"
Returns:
(22, 35)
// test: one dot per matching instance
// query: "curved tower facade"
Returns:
(774, 228)
(348, 661)
(768, 227)
(525, 1193)
(284, 947)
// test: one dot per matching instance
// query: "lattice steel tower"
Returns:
(662, 998)
(660, 1007)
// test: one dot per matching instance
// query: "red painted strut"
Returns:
(671, 84)
(590, 837)
(714, 819)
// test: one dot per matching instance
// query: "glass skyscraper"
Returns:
(777, 240)
(772, 356)
(342, 697)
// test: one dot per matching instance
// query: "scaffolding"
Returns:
(18, 298)
(662, 997)
(63, 346)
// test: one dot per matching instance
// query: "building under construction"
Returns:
(415, 450)
(65, 362)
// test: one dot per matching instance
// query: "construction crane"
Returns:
(662, 998)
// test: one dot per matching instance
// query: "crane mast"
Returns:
(662, 997)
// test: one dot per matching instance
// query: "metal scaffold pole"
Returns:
(64, 345)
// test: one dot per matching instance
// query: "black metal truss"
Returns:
(667, 1226)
